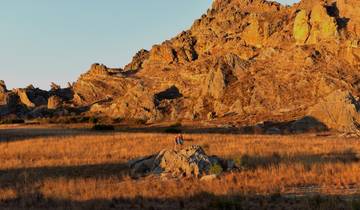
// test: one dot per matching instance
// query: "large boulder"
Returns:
(99, 83)
(8, 100)
(137, 61)
(252, 34)
(3, 92)
(215, 83)
(163, 54)
(323, 26)
(349, 12)
(191, 161)
(32, 97)
(2, 86)
(54, 102)
(24, 98)
(301, 27)
(339, 110)
(137, 103)
(316, 25)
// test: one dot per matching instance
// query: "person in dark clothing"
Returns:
(179, 140)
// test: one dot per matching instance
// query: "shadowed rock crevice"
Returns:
(168, 94)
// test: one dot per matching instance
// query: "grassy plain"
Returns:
(68, 167)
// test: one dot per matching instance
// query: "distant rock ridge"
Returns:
(243, 62)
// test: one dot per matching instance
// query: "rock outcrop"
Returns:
(349, 14)
(54, 102)
(98, 84)
(191, 161)
(243, 61)
(301, 27)
(3, 92)
(32, 97)
(2, 86)
(339, 110)
(8, 100)
(136, 104)
(323, 26)
(137, 61)
(316, 25)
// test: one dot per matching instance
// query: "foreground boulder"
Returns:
(191, 161)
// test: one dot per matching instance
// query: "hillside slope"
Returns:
(244, 62)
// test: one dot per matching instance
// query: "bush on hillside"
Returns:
(103, 127)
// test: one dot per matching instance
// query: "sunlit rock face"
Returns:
(245, 61)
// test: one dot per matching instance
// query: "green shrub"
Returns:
(103, 127)
(93, 120)
(83, 119)
(216, 169)
(174, 128)
(243, 162)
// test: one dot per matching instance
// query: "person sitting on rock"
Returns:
(179, 140)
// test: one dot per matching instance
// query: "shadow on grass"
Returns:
(253, 162)
(19, 134)
(22, 178)
(304, 125)
(201, 201)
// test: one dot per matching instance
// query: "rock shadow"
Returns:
(201, 201)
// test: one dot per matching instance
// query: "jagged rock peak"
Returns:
(101, 69)
(218, 4)
(3, 88)
(137, 61)
(54, 86)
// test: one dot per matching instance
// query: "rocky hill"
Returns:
(244, 62)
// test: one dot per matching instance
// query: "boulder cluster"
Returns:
(31, 102)
(242, 63)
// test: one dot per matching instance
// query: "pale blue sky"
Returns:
(43, 41)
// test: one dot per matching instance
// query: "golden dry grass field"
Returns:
(72, 168)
